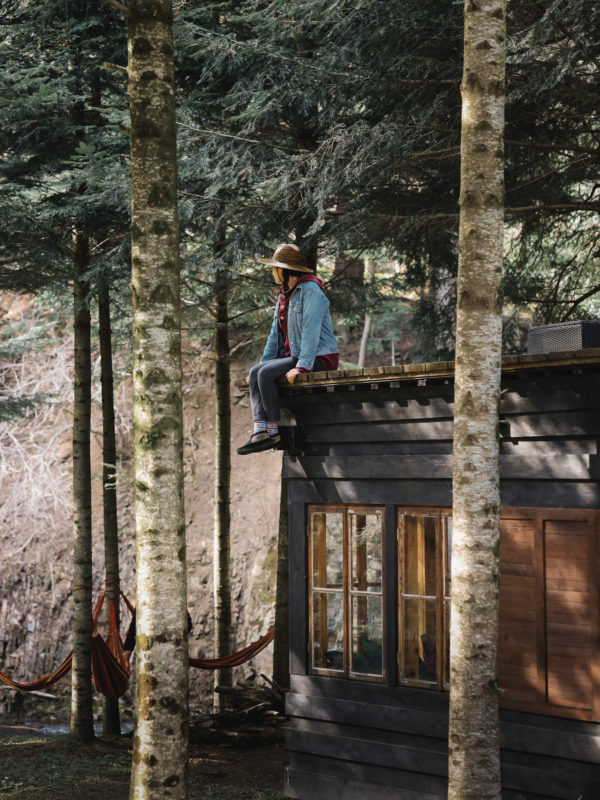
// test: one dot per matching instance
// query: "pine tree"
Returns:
(222, 499)
(160, 742)
(62, 216)
(82, 721)
(111, 723)
(339, 123)
(473, 740)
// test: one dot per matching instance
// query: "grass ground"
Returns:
(58, 768)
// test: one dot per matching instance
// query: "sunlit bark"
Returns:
(474, 764)
(161, 735)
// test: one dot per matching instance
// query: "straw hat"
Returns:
(287, 256)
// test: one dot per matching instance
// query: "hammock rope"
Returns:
(110, 669)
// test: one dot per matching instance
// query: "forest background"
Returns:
(335, 124)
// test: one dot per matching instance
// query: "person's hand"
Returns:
(291, 375)
(127, 654)
(247, 378)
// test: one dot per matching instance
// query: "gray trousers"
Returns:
(264, 394)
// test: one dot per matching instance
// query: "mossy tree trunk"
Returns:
(110, 723)
(160, 742)
(281, 659)
(222, 512)
(474, 758)
(82, 723)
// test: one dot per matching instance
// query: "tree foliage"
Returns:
(339, 124)
(61, 134)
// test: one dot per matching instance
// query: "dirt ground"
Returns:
(250, 767)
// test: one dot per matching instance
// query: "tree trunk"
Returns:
(111, 723)
(221, 556)
(281, 658)
(160, 742)
(474, 762)
(364, 339)
(82, 722)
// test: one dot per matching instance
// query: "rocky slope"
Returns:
(36, 520)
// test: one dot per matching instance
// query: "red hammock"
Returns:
(235, 659)
(110, 670)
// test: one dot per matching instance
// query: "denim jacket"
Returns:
(310, 331)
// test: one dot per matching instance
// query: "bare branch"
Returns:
(118, 6)
(118, 67)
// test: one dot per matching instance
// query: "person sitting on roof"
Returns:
(301, 340)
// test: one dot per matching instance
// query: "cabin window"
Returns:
(424, 545)
(346, 591)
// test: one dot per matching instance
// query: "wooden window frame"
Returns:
(441, 515)
(538, 516)
(347, 591)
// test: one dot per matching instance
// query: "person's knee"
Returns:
(253, 372)
(266, 377)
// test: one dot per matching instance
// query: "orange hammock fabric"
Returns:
(235, 659)
(110, 670)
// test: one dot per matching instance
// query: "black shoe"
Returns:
(258, 442)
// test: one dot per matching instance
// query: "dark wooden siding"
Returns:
(391, 445)
(380, 444)
(346, 738)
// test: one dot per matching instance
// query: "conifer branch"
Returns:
(315, 67)
(230, 202)
(553, 147)
(218, 133)
(585, 206)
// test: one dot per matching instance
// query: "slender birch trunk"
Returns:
(474, 756)
(111, 723)
(82, 722)
(281, 643)
(222, 513)
(364, 339)
(160, 742)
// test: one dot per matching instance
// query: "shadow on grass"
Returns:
(58, 768)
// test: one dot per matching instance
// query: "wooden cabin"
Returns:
(368, 469)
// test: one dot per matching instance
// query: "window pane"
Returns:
(328, 630)
(419, 570)
(327, 549)
(419, 640)
(366, 543)
(367, 634)
(448, 554)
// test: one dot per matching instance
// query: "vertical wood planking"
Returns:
(298, 589)
(569, 614)
(518, 624)
(540, 611)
